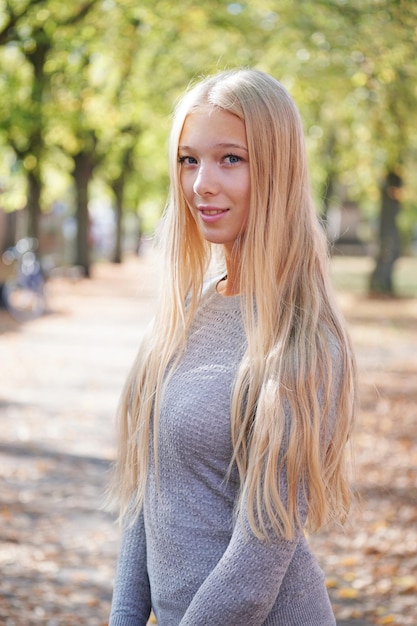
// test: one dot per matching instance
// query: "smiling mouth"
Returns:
(211, 215)
(212, 211)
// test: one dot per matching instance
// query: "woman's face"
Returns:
(214, 173)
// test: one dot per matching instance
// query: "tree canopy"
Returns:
(88, 88)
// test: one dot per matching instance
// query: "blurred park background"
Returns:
(87, 88)
(86, 92)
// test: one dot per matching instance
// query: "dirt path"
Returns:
(60, 378)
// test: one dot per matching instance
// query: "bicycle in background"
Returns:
(23, 293)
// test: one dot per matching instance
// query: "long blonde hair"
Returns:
(291, 323)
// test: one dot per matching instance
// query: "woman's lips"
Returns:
(211, 214)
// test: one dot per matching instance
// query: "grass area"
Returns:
(352, 274)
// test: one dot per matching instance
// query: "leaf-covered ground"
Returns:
(60, 377)
(372, 563)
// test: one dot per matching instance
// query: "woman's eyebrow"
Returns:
(219, 145)
(232, 145)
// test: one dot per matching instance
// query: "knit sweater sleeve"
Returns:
(245, 583)
(131, 605)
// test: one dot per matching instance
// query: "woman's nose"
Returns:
(205, 181)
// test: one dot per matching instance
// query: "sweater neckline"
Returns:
(215, 300)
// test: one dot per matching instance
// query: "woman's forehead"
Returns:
(213, 125)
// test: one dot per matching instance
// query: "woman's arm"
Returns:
(131, 605)
(245, 583)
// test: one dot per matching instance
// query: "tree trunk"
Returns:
(327, 195)
(118, 188)
(331, 177)
(83, 172)
(33, 204)
(381, 281)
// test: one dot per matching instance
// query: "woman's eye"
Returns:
(187, 160)
(232, 158)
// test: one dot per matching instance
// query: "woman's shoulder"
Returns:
(207, 290)
(210, 285)
(211, 299)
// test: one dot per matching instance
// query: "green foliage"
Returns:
(103, 75)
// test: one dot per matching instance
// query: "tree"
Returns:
(389, 241)
(34, 43)
(108, 72)
(33, 28)
(372, 105)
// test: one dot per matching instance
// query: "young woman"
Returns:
(235, 417)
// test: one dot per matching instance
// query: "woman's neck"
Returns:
(230, 284)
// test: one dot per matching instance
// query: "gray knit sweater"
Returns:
(185, 558)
